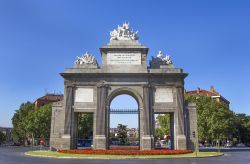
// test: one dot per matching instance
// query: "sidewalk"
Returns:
(222, 149)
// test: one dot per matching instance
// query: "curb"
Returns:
(141, 158)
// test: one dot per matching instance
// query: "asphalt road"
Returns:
(15, 155)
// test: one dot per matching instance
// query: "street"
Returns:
(15, 155)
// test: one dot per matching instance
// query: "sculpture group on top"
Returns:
(166, 60)
(86, 58)
(156, 62)
(123, 33)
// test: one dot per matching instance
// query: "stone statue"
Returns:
(160, 55)
(166, 60)
(86, 58)
(160, 60)
(123, 33)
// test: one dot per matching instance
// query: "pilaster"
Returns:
(147, 137)
(180, 137)
(101, 112)
(67, 137)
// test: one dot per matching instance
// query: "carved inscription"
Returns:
(115, 58)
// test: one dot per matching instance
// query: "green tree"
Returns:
(122, 134)
(2, 137)
(40, 121)
(242, 124)
(30, 123)
(85, 126)
(164, 122)
(215, 120)
(19, 121)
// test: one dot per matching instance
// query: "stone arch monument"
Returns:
(158, 88)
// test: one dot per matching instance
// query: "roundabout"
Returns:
(17, 155)
(54, 154)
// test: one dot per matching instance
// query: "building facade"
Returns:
(208, 93)
(8, 133)
(48, 98)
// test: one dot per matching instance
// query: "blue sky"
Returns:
(124, 102)
(209, 39)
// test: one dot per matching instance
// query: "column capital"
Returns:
(102, 84)
(147, 86)
(70, 86)
(179, 86)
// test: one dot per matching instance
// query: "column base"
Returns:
(181, 142)
(147, 142)
(100, 142)
(64, 142)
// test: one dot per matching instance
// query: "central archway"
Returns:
(123, 118)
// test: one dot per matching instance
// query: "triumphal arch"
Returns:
(158, 87)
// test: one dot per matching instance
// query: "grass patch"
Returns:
(68, 155)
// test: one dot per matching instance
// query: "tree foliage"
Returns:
(31, 123)
(164, 128)
(2, 137)
(85, 126)
(242, 124)
(19, 121)
(215, 120)
(122, 134)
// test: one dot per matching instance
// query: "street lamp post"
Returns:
(195, 143)
(218, 145)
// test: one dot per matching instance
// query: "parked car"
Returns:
(134, 143)
(208, 145)
(201, 145)
(240, 145)
(84, 143)
(157, 145)
(162, 144)
(16, 144)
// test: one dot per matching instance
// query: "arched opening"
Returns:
(124, 122)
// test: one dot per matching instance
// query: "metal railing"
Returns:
(82, 143)
(124, 111)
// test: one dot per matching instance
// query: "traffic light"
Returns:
(193, 134)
